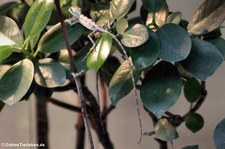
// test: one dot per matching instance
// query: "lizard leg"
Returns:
(93, 43)
(72, 21)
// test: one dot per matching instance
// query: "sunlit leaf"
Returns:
(37, 19)
(52, 40)
(49, 73)
(121, 25)
(109, 68)
(121, 82)
(9, 32)
(153, 5)
(203, 60)
(209, 16)
(15, 83)
(98, 56)
(219, 135)
(175, 43)
(146, 54)
(165, 131)
(192, 90)
(5, 51)
(191, 147)
(175, 18)
(161, 88)
(194, 122)
(160, 17)
(132, 36)
(119, 8)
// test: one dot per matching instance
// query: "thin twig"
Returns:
(75, 76)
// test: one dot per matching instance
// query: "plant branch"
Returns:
(64, 105)
(75, 76)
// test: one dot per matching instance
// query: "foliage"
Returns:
(169, 54)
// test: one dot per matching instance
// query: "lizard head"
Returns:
(75, 11)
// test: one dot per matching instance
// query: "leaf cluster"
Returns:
(169, 54)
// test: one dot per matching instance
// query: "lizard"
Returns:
(78, 17)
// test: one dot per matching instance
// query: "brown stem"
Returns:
(80, 132)
(64, 105)
(42, 123)
(75, 76)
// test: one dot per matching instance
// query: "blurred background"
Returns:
(18, 124)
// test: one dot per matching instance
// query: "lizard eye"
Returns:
(76, 9)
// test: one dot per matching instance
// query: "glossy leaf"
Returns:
(175, 18)
(37, 19)
(146, 54)
(219, 135)
(165, 131)
(132, 36)
(119, 8)
(220, 44)
(15, 83)
(52, 41)
(121, 25)
(209, 16)
(191, 147)
(203, 60)
(153, 5)
(192, 90)
(80, 58)
(194, 122)
(175, 43)
(9, 32)
(121, 82)
(4, 69)
(49, 73)
(5, 51)
(161, 88)
(160, 17)
(99, 54)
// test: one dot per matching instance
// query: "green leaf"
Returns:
(4, 8)
(109, 68)
(220, 44)
(121, 25)
(192, 90)
(52, 40)
(165, 131)
(4, 69)
(194, 122)
(175, 18)
(1, 105)
(5, 51)
(203, 60)
(9, 32)
(153, 5)
(49, 73)
(191, 147)
(99, 54)
(146, 54)
(132, 36)
(36, 19)
(161, 88)
(121, 82)
(219, 135)
(119, 8)
(15, 83)
(209, 16)
(18, 13)
(79, 58)
(175, 43)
